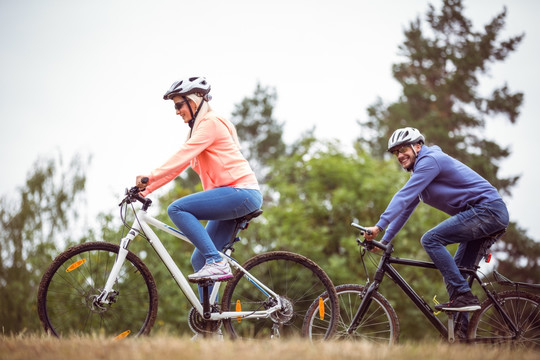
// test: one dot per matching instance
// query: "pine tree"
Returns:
(444, 60)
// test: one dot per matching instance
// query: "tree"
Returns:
(33, 228)
(320, 191)
(259, 132)
(441, 95)
(444, 60)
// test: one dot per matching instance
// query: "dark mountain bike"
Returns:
(506, 316)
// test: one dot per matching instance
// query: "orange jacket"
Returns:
(213, 152)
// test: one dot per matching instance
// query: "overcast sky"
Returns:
(88, 77)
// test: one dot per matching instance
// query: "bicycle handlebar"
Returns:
(369, 243)
(133, 194)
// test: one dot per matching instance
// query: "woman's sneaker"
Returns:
(463, 302)
(212, 271)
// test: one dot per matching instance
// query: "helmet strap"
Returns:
(193, 116)
(414, 150)
(189, 107)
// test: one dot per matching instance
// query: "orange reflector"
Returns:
(122, 335)
(321, 308)
(238, 308)
(75, 265)
(488, 258)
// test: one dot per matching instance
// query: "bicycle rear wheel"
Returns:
(488, 325)
(298, 281)
(69, 288)
(379, 324)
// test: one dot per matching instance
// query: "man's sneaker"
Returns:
(463, 302)
(212, 271)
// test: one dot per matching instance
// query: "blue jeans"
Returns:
(221, 206)
(469, 228)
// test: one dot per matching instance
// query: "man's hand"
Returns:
(371, 233)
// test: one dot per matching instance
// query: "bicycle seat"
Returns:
(249, 217)
(483, 252)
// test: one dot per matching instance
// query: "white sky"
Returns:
(88, 77)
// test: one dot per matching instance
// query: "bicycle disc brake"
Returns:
(97, 306)
(285, 314)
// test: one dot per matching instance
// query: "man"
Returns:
(475, 207)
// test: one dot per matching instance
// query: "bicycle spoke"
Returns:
(67, 301)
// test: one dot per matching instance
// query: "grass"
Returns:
(171, 348)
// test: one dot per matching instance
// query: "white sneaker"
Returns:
(213, 271)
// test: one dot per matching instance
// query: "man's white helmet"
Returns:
(405, 136)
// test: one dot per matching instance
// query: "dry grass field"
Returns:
(171, 348)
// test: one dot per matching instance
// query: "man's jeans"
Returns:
(221, 206)
(468, 228)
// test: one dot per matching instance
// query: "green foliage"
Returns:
(518, 256)
(444, 59)
(313, 190)
(258, 130)
(321, 191)
(33, 229)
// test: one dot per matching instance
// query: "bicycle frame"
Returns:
(385, 267)
(142, 223)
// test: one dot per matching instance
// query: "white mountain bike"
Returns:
(105, 289)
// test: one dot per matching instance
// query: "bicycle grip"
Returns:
(144, 180)
(361, 228)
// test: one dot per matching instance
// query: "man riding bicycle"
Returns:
(475, 207)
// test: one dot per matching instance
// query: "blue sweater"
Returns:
(439, 181)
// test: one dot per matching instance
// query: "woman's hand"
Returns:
(142, 181)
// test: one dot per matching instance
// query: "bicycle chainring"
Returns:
(201, 326)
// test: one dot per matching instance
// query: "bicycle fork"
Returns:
(103, 297)
(366, 302)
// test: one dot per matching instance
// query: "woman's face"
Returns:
(182, 107)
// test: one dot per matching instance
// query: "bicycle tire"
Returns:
(298, 280)
(488, 325)
(75, 278)
(380, 323)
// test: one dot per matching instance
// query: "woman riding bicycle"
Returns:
(476, 208)
(230, 187)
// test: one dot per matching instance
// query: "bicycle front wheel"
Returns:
(522, 308)
(68, 292)
(297, 280)
(379, 325)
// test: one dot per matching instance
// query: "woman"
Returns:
(230, 187)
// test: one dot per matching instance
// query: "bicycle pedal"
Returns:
(203, 282)
(208, 282)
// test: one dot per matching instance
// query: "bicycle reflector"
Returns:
(238, 309)
(75, 265)
(488, 257)
(122, 335)
(321, 308)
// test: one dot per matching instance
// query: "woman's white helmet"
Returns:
(192, 85)
(405, 136)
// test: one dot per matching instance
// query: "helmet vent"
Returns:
(405, 134)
